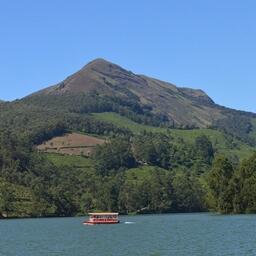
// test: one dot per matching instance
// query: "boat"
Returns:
(102, 218)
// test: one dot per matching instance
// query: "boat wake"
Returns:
(129, 222)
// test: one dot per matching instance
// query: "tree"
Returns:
(204, 148)
(188, 193)
(113, 156)
(6, 199)
(146, 189)
(153, 149)
(220, 185)
(245, 186)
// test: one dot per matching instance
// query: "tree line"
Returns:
(232, 189)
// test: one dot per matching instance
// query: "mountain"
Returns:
(142, 96)
(161, 141)
(183, 106)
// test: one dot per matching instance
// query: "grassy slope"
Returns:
(140, 174)
(219, 140)
(67, 160)
(124, 122)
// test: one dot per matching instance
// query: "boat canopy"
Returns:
(103, 213)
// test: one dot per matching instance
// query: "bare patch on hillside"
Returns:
(71, 144)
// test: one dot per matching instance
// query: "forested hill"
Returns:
(161, 152)
(102, 86)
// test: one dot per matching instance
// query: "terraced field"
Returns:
(71, 144)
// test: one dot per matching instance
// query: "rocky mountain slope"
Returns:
(143, 99)
(184, 106)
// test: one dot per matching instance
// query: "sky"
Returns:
(204, 44)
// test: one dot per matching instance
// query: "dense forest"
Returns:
(143, 172)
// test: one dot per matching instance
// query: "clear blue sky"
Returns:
(206, 44)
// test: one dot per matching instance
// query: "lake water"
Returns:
(150, 235)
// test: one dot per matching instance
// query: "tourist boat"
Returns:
(102, 218)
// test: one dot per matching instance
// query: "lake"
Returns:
(151, 235)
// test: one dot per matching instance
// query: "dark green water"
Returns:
(154, 235)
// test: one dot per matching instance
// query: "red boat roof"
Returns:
(103, 213)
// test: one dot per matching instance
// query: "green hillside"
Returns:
(222, 143)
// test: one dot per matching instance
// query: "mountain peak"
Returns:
(183, 106)
(102, 65)
(94, 76)
(99, 61)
